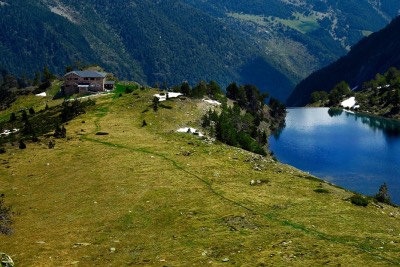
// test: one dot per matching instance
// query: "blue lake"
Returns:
(354, 151)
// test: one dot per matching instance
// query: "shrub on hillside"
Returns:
(21, 145)
(51, 144)
(359, 200)
(128, 90)
(60, 132)
(321, 191)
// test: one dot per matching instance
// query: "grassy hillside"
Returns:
(148, 196)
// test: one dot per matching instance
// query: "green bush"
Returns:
(359, 200)
(322, 191)
(128, 90)
(21, 145)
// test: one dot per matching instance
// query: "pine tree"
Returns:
(24, 116)
(213, 89)
(36, 80)
(383, 194)
(155, 103)
(185, 88)
(57, 132)
(232, 91)
(13, 117)
(47, 75)
(199, 90)
(51, 144)
(21, 145)
(27, 129)
(63, 132)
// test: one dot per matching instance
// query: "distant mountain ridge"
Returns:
(372, 55)
(272, 44)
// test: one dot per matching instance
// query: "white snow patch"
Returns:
(189, 130)
(350, 103)
(8, 132)
(41, 94)
(170, 95)
(214, 102)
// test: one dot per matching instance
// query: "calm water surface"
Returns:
(357, 152)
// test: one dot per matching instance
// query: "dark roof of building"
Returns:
(88, 74)
(109, 82)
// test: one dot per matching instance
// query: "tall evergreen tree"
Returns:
(383, 194)
(199, 90)
(13, 117)
(232, 91)
(213, 89)
(185, 88)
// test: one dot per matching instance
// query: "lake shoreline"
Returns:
(355, 151)
(348, 110)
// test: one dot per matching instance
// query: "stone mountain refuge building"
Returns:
(84, 82)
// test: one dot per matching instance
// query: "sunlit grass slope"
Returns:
(148, 196)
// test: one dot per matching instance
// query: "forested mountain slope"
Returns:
(374, 54)
(273, 44)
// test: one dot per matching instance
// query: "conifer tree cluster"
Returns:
(335, 96)
(201, 89)
(71, 109)
(246, 123)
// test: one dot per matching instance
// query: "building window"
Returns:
(75, 79)
(86, 79)
(97, 85)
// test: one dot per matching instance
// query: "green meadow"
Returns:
(299, 22)
(149, 196)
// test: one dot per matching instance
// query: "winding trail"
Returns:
(268, 216)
